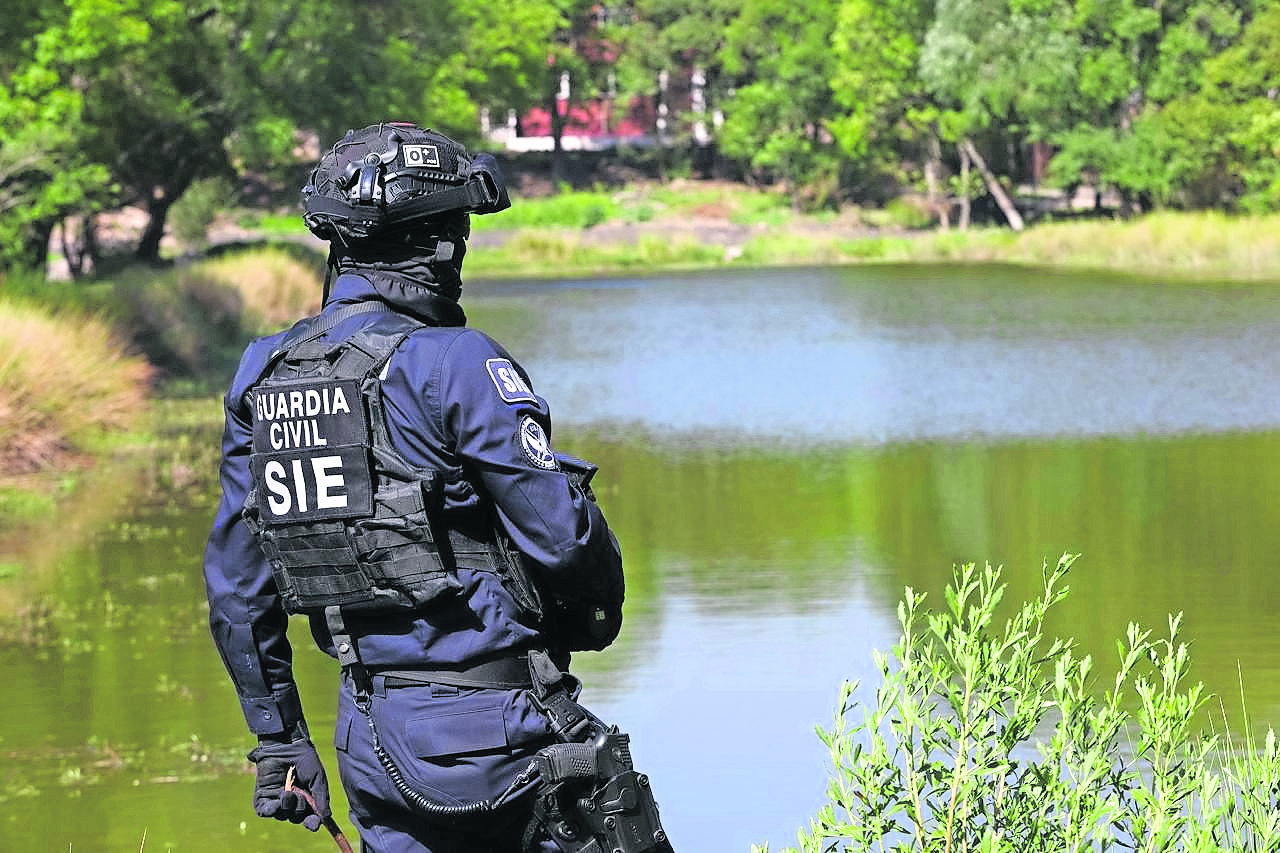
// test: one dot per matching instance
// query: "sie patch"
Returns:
(510, 384)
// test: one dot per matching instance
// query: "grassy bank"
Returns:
(80, 364)
(1171, 245)
(700, 225)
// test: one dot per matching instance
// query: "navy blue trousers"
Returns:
(453, 746)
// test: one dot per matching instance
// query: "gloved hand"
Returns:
(270, 799)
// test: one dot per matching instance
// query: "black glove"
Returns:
(270, 799)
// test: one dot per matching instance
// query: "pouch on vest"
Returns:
(342, 517)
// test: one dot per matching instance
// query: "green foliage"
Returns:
(117, 102)
(199, 206)
(777, 121)
(906, 213)
(566, 210)
(273, 224)
(1002, 63)
(105, 103)
(673, 36)
(185, 322)
(44, 171)
(991, 735)
(876, 46)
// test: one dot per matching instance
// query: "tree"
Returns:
(1006, 68)
(165, 92)
(667, 37)
(1246, 78)
(1138, 61)
(44, 171)
(886, 110)
(778, 118)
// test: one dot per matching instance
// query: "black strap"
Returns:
(325, 322)
(473, 194)
(320, 324)
(502, 674)
(570, 721)
(469, 196)
(348, 656)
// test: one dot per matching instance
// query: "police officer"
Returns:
(389, 472)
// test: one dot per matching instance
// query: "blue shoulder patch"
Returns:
(511, 386)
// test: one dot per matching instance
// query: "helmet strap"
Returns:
(330, 264)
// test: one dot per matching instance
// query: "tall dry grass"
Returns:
(65, 382)
(1206, 244)
(276, 287)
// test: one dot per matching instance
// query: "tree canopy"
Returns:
(108, 103)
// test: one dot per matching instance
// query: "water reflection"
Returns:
(781, 453)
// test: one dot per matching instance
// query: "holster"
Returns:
(591, 800)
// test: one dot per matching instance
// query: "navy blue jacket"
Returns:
(451, 400)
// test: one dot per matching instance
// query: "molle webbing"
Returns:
(347, 522)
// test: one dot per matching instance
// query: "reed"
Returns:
(1202, 246)
(559, 253)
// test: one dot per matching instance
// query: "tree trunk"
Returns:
(148, 250)
(993, 186)
(81, 249)
(557, 137)
(932, 171)
(964, 189)
(35, 246)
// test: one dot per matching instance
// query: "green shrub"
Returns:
(185, 322)
(282, 224)
(193, 213)
(278, 284)
(908, 213)
(995, 738)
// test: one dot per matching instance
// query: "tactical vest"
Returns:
(342, 517)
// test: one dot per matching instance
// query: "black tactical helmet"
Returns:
(393, 177)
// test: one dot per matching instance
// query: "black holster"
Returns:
(591, 799)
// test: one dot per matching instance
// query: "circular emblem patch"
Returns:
(535, 444)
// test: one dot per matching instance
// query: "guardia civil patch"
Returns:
(510, 384)
(535, 444)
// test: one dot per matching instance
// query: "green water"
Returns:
(781, 454)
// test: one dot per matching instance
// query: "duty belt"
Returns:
(509, 673)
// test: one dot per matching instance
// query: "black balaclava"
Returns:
(419, 271)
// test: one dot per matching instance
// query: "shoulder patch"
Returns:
(511, 386)
(535, 444)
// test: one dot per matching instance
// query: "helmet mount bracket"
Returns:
(387, 178)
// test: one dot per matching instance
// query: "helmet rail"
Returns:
(395, 176)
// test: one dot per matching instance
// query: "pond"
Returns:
(781, 453)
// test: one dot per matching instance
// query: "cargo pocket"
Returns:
(452, 748)
(314, 565)
(463, 730)
(342, 731)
